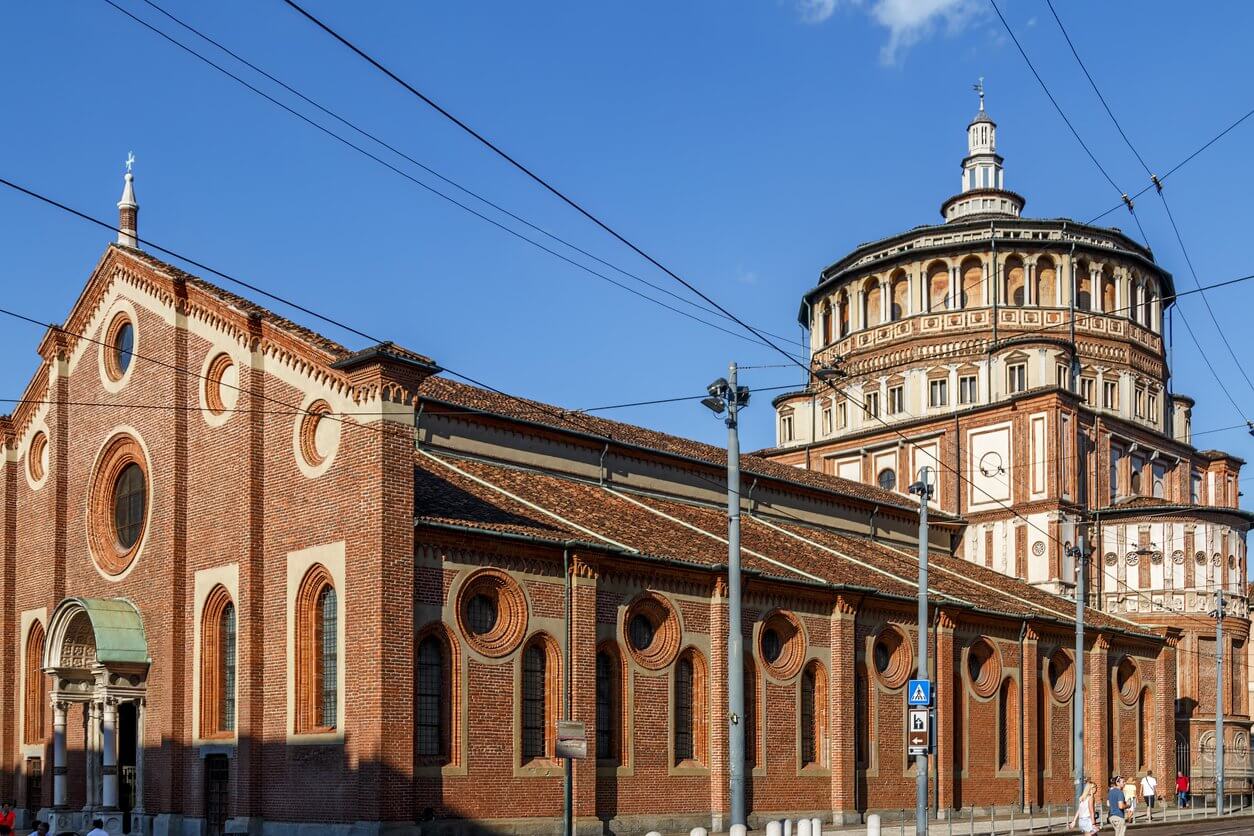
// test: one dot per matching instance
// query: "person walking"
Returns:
(1129, 795)
(1118, 806)
(8, 816)
(1085, 815)
(1182, 790)
(1149, 791)
(97, 828)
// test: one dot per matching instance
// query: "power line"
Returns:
(1154, 180)
(436, 192)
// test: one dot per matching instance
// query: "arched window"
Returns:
(609, 705)
(937, 287)
(871, 303)
(1046, 277)
(689, 708)
(862, 717)
(1007, 725)
(813, 732)
(1084, 291)
(36, 686)
(1143, 726)
(842, 306)
(899, 301)
(826, 317)
(317, 653)
(1016, 286)
(434, 702)
(751, 715)
(540, 682)
(217, 665)
(972, 283)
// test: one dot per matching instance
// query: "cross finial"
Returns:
(130, 161)
(979, 88)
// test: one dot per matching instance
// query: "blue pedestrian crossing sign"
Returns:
(919, 692)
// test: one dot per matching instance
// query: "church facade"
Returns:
(254, 582)
(1024, 361)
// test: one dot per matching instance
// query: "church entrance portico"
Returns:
(97, 657)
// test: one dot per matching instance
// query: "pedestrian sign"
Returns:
(919, 692)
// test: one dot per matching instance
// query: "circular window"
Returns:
(119, 347)
(892, 657)
(888, 479)
(118, 505)
(37, 457)
(221, 382)
(983, 668)
(652, 630)
(481, 614)
(491, 612)
(782, 644)
(1061, 675)
(1128, 680)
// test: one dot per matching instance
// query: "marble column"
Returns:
(1098, 282)
(91, 734)
(109, 740)
(59, 788)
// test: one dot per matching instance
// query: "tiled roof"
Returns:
(499, 499)
(442, 389)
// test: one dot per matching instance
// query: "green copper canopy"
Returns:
(118, 627)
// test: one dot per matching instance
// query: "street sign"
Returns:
(918, 731)
(571, 742)
(919, 692)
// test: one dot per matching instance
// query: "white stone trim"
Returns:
(331, 556)
(230, 394)
(205, 581)
(35, 428)
(26, 620)
(336, 417)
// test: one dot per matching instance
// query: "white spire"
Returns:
(128, 209)
(982, 172)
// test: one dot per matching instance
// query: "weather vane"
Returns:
(130, 161)
(979, 88)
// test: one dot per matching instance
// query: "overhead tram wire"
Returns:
(1126, 199)
(570, 202)
(1161, 195)
(447, 198)
(375, 138)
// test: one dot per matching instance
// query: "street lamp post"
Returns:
(923, 489)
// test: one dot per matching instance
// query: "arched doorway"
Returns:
(97, 658)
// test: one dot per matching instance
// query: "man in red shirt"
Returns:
(8, 816)
(1182, 790)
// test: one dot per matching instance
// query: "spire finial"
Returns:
(128, 208)
(977, 87)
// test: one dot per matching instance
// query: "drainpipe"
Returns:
(601, 464)
(1023, 760)
(568, 813)
(871, 520)
(935, 657)
(418, 425)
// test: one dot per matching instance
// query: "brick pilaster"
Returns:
(719, 788)
(1031, 675)
(843, 726)
(1164, 733)
(1097, 710)
(583, 681)
(946, 704)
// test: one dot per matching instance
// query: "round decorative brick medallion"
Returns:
(983, 668)
(118, 504)
(1038, 548)
(1177, 557)
(314, 429)
(782, 644)
(37, 457)
(892, 657)
(491, 612)
(1061, 675)
(1128, 680)
(652, 630)
(221, 379)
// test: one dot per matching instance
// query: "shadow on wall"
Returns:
(203, 791)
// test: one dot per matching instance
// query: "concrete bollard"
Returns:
(653, 833)
(788, 827)
(816, 827)
(873, 825)
(698, 831)
(738, 830)
(803, 827)
(774, 828)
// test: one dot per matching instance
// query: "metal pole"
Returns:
(1077, 719)
(568, 787)
(1219, 697)
(735, 652)
(924, 489)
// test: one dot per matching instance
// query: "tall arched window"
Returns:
(434, 700)
(871, 303)
(1007, 725)
(1143, 726)
(689, 708)
(862, 717)
(899, 297)
(609, 705)
(1016, 286)
(217, 665)
(36, 686)
(317, 653)
(751, 716)
(842, 309)
(826, 317)
(813, 732)
(540, 682)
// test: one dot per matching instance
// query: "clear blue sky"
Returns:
(746, 145)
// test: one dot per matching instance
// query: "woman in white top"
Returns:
(1084, 814)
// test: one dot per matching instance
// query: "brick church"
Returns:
(255, 581)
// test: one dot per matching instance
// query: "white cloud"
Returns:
(907, 21)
